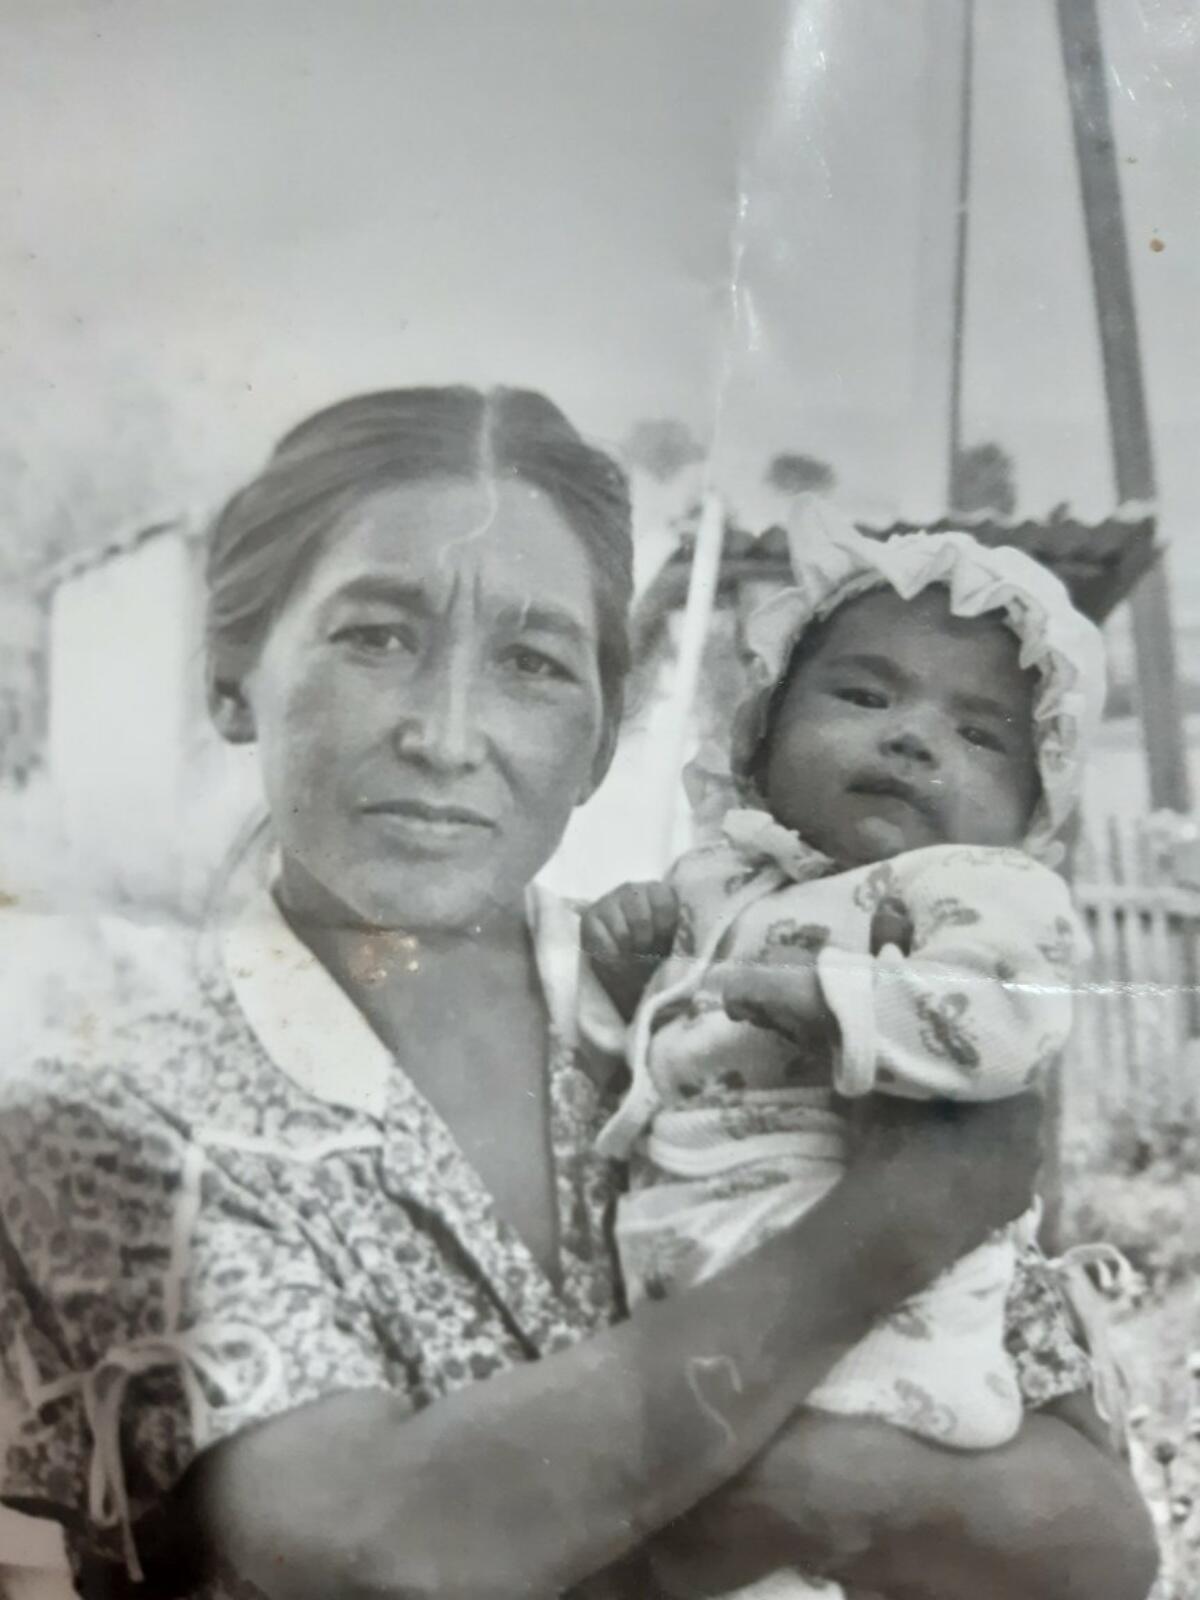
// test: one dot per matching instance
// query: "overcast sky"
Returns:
(218, 215)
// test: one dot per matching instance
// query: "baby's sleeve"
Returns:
(982, 1003)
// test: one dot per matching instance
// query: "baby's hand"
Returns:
(626, 934)
(781, 992)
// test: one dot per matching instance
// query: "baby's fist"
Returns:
(636, 921)
(626, 934)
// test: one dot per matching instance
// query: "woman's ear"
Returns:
(229, 708)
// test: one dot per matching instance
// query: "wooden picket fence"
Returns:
(1135, 1058)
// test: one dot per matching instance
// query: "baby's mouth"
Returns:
(885, 786)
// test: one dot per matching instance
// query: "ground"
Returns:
(1152, 1214)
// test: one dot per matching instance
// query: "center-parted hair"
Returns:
(269, 533)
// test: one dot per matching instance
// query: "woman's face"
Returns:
(428, 707)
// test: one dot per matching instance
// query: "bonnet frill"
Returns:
(833, 563)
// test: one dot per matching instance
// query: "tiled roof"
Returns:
(1099, 562)
(122, 544)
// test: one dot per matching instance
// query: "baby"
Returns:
(878, 914)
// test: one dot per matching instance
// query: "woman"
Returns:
(263, 1241)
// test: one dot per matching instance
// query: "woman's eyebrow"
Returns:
(548, 619)
(388, 591)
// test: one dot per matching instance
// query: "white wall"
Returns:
(124, 674)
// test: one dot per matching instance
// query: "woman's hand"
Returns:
(942, 1177)
(625, 935)
(1046, 1517)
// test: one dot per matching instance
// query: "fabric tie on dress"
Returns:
(102, 1391)
(199, 1352)
(1073, 1271)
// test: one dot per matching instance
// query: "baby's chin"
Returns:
(875, 838)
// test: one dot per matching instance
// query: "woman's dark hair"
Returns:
(270, 532)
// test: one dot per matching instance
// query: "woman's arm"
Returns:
(526, 1484)
(1047, 1517)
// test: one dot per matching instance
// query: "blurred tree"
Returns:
(792, 473)
(662, 447)
(984, 479)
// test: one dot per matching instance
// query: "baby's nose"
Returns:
(909, 742)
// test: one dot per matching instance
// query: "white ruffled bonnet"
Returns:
(833, 563)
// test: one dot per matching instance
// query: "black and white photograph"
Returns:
(599, 800)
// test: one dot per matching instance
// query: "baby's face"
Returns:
(906, 726)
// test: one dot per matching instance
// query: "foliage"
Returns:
(662, 447)
(792, 473)
(984, 479)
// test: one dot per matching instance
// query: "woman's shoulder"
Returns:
(98, 1013)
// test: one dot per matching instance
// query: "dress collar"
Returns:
(313, 1031)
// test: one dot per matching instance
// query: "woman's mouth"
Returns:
(430, 824)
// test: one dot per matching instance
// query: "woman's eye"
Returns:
(376, 638)
(531, 663)
(870, 699)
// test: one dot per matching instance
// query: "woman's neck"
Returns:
(410, 980)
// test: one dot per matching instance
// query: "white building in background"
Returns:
(22, 696)
(144, 792)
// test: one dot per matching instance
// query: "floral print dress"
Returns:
(243, 1205)
(238, 1202)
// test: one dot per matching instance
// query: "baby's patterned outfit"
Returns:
(734, 1131)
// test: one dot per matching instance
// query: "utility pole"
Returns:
(1129, 429)
(962, 219)
(933, 419)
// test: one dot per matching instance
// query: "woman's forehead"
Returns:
(506, 545)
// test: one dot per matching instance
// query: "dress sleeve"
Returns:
(982, 1003)
(123, 1369)
(1040, 1335)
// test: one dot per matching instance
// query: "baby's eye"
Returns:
(377, 638)
(982, 738)
(530, 663)
(856, 695)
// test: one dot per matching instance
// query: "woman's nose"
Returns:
(440, 725)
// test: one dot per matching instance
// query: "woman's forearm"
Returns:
(530, 1482)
